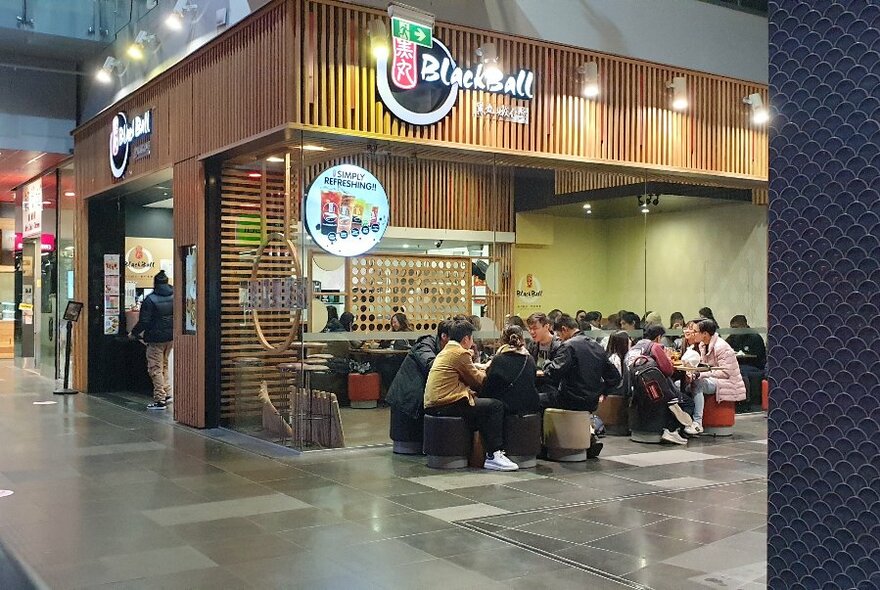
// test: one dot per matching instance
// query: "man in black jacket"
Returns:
(583, 372)
(156, 323)
(407, 391)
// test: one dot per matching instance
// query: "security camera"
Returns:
(438, 243)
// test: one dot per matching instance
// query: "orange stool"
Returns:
(718, 419)
(765, 395)
(363, 390)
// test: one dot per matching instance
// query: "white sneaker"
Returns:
(673, 437)
(694, 429)
(498, 461)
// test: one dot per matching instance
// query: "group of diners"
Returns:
(559, 365)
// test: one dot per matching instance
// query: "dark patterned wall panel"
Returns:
(824, 447)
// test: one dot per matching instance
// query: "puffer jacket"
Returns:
(407, 391)
(730, 386)
(156, 319)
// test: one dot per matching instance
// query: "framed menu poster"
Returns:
(188, 254)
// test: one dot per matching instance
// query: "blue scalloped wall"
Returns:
(824, 271)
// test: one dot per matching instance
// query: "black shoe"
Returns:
(156, 406)
(595, 449)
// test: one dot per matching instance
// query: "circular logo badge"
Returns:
(119, 147)
(138, 260)
(346, 210)
(529, 289)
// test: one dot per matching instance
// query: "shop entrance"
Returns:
(131, 239)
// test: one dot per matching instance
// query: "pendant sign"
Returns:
(129, 141)
(409, 31)
(420, 85)
(346, 210)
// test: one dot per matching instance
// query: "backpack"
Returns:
(648, 380)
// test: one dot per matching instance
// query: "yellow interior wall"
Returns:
(714, 256)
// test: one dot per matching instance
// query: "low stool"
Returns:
(614, 413)
(407, 433)
(566, 434)
(522, 439)
(718, 418)
(447, 442)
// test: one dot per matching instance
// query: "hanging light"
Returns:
(111, 66)
(590, 74)
(174, 21)
(488, 54)
(378, 38)
(760, 114)
(679, 93)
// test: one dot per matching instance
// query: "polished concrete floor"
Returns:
(109, 496)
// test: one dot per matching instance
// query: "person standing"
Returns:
(156, 323)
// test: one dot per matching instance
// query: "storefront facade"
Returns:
(242, 129)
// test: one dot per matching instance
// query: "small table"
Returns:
(686, 369)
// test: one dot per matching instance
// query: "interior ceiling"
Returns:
(150, 195)
(19, 166)
(629, 207)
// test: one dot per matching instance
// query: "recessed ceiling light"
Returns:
(645, 209)
(254, 175)
(45, 403)
(274, 159)
(47, 202)
(69, 194)
(406, 245)
(588, 206)
(4, 493)
(314, 148)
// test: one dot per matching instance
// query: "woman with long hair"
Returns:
(618, 345)
(511, 375)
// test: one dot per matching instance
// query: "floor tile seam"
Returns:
(559, 559)
(601, 501)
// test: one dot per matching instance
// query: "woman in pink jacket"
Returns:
(726, 382)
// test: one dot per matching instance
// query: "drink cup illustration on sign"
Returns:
(329, 213)
(344, 221)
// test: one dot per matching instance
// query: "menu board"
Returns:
(111, 294)
(346, 210)
(32, 209)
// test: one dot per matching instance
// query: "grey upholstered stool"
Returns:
(407, 433)
(522, 439)
(447, 442)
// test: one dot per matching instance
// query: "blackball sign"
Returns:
(420, 85)
(346, 210)
(129, 141)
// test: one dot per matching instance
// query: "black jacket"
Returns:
(583, 372)
(511, 379)
(407, 391)
(751, 344)
(534, 349)
(156, 319)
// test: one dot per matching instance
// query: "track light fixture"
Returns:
(488, 54)
(679, 93)
(378, 38)
(174, 21)
(760, 114)
(142, 41)
(111, 66)
(590, 74)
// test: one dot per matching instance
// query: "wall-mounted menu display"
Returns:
(346, 210)
(111, 294)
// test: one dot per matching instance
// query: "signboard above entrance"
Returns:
(346, 210)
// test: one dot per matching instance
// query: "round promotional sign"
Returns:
(346, 210)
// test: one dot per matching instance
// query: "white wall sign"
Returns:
(346, 210)
(528, 290)
(420, 85)
(32, 210)
(129, 141)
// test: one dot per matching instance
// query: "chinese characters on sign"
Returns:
(502, 112)
(32, 206)
(403, 67)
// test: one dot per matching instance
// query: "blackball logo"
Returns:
(412, 70)
(122, 134)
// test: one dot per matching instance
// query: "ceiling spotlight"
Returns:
(488, 55)
(587, 206)
(174, 21)
(314, 148)
(111, 66)
(590, 73)
(69, 194)
(760, 114)
(645, 209)
(275, 159)
(589, 211)
(679, 93)
(141, 42)
(254, 175)
(378, 39)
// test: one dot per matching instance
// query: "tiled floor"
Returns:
(107, 496)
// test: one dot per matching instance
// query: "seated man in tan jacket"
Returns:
(452, 381)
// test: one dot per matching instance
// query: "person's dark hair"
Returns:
(553, 315)
(708, 326)
(631, 318)
(584, 325)
(675, 317)
(515, 320)
(347, 319)
(613, 320)
(460, 329)
(513, 335)
(593, 316)
(618, 343)
(161, 278)
(706, 313)
(565, 321)
(443, 328)
(739, 321)
(538, 318)
(653, 331)
(332, 313)
(401, 319)
(578, 313)
(475, 322)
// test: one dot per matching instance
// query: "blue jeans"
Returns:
(702, 387)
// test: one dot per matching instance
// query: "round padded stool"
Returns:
(447, 442)
(614, 413)
(407, 433)
(718, 419)
(566, 434)
(522, 439)
(647, 419)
